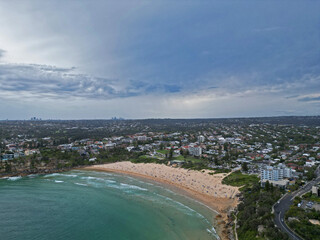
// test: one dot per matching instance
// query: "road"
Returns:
(284, 204)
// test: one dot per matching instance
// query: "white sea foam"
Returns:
(60, 174)
(95, 172)
(14, 178)
(104, 173)
(184, 196)
(110, 181)
(52, 175)
(133, 187)
(143, 182)
(213, 232)
(58, 181)
(92, 178)
(189, 211)
(130, 177)
(202, 204)
(81, 184)
(99, 179)
(33, 175)
(69, 175)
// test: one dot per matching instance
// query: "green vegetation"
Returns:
(180, 158)
(245, 167)
(218, 170)
(146, 160)
(195, 160)
(163, 151)
(196, 165)
(311, 173)
(255, 209)
(301, 224)
(7, 168)
(238, 179)
(66, 158)
(311, 197)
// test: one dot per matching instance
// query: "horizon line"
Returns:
(166, 118)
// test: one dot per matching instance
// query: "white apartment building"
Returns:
(142, 138)
(201, 139)
(275, 173)
(195, 150)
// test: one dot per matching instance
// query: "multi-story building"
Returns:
(195, 150)
(201, 139)
(275, 173)
(142, 138)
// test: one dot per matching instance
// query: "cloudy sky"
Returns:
(157, 59)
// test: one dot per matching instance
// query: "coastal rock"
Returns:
(261, 229)
(290, 219)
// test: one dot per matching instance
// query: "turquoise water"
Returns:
(97, 205)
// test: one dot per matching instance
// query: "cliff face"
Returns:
(34, 171)
(32, 166)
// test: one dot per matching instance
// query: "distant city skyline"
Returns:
(159, 59)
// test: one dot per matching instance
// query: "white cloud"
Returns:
(157, 59)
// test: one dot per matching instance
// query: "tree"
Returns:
(7, 167)
(161, 146)
(171, 153)
(181, 151)
(245, 167)
(267, 186)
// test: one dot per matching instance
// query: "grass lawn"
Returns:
(238, 179)
(194, 160)
(163, 151)
(189, 158)
(181, 158)
(217, 171)
(149, 157)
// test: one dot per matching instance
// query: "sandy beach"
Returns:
(198, 184)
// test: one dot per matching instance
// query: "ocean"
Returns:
(99, 205)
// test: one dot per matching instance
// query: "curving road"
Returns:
(285, 202)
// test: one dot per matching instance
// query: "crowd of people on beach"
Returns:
(198, 181)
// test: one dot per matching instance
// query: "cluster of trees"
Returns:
(300, 221)
(118, 155)
(47, 159)
(311, 174)
(255, 209)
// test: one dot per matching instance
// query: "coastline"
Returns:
(24, 173)
(219, 205)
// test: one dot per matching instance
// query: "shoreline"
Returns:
(35, 171)
(220, 206)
